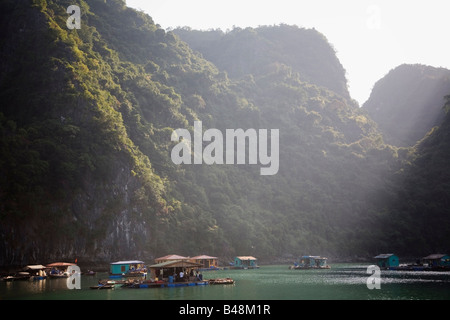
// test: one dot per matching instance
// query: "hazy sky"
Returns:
(370, 37)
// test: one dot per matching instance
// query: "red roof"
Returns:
(60, 264)
(203, 257)
(172, 257)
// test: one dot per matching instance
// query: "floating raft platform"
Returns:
(103, 286)
(221, 281)
(144, 284)
(164, 284)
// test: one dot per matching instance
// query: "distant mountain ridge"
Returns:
(266, 48)
(85, 136)
(408, 101)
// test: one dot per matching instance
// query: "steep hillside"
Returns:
(86, 121)
(72, 179)
(408, 101)
(419, 213)
(269, 48)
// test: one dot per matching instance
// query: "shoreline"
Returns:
(103, 266)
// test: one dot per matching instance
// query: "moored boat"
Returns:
(21, 275)
(432, 262)
(89, 273)
(101, 286)
(221, 281)
(59, 269)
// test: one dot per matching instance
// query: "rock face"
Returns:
(101, 223)
(73, 184)
(408, 102)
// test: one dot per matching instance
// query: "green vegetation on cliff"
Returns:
(86, 122)
(408, 101)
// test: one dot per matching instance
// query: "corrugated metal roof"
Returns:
(246, 258)
(203, 257)
(60, 264)
(175, 264)
(128, 262)
(435, 256)
(35, 267)
(172, 257)
(384, 256)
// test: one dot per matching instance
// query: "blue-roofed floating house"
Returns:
(129, 268)
(387, 260)
(245, 262)
(437, 261)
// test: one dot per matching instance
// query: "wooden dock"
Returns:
(144, 284)
(164, 284)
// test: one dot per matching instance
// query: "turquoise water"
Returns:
(341, 282)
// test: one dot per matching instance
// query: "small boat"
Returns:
(8, 278)
(57, 275)
(103, 286)
(311, 262)
(59, 269)
(18, 276)
(90, 273)
(221, 281)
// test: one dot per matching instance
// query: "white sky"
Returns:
(371, 37)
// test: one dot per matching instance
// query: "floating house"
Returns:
(37, 271)
(437, 260)
(312, 262)
(128, 268)
(59, 269)
(387, 260)
(174, 271)
(245, 262)
(207, 262)
(30, 272)
(171, 257)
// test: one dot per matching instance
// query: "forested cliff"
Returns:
(408, 101)
(86, 119)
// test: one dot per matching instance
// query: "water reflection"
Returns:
(269, 282)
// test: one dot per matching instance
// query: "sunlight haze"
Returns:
(370, 37)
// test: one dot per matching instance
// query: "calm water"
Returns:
(342, 282)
